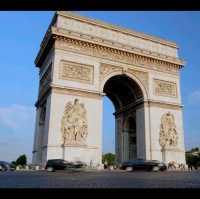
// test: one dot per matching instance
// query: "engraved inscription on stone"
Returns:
(165, 88)
(116, 36)
(76, 72)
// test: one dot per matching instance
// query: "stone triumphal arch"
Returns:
(80, 61)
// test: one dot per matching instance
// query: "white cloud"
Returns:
(194, 97)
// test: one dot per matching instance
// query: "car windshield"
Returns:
(66, 162)
(55, 160)
(156, 161)
(134, 161)
(3, 162)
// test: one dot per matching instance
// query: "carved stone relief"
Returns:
(142, 76)
(76, 72)
(115, 54)
(74, 126)
(168, 133)
(165, 88)
(106, 69)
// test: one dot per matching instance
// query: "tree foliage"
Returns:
(109, 158)
(21, 160)
(192, 158)
(196, 149)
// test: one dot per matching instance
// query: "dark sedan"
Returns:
(5, 166)
(60, 164)
(139, 164)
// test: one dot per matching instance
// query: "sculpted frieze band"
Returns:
(106, 69)
(165, 88)
(123, 36)
(76, 72)
(142, 76)
(115, 55)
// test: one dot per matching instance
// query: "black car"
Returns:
(140, 164)
(5, 166)
(60, 164)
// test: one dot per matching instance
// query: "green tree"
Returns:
(193, 159)
(109, 158)
(21, 160)
(13, 164)
(195, 149)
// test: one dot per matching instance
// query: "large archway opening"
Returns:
(127, 98)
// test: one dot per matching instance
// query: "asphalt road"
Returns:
(99, 179)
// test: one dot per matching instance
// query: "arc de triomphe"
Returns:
(80, 61)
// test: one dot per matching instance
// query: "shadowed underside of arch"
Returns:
(122, 91)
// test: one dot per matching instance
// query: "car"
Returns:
(140, 164)
(5, 166)
(60, 164)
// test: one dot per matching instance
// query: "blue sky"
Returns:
(20, 37)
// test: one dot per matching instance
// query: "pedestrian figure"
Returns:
(91, 164)
(190, 167)
(105, 165)
(171, 165)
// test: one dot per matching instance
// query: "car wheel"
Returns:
(129, 169)
(50, 169)
(155, 168)
(2, 169)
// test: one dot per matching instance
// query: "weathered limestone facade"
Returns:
(80, 61)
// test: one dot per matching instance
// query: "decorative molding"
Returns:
(53, 88)
(106, 69)
(168, 134)
(115, 43)
(115, 28)
(74, 127)
(142, 76)
(66, 146)
(113, 54)
(76, 72)
(177, 150)
(161, 104)
(165, 88)
(73, 91)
